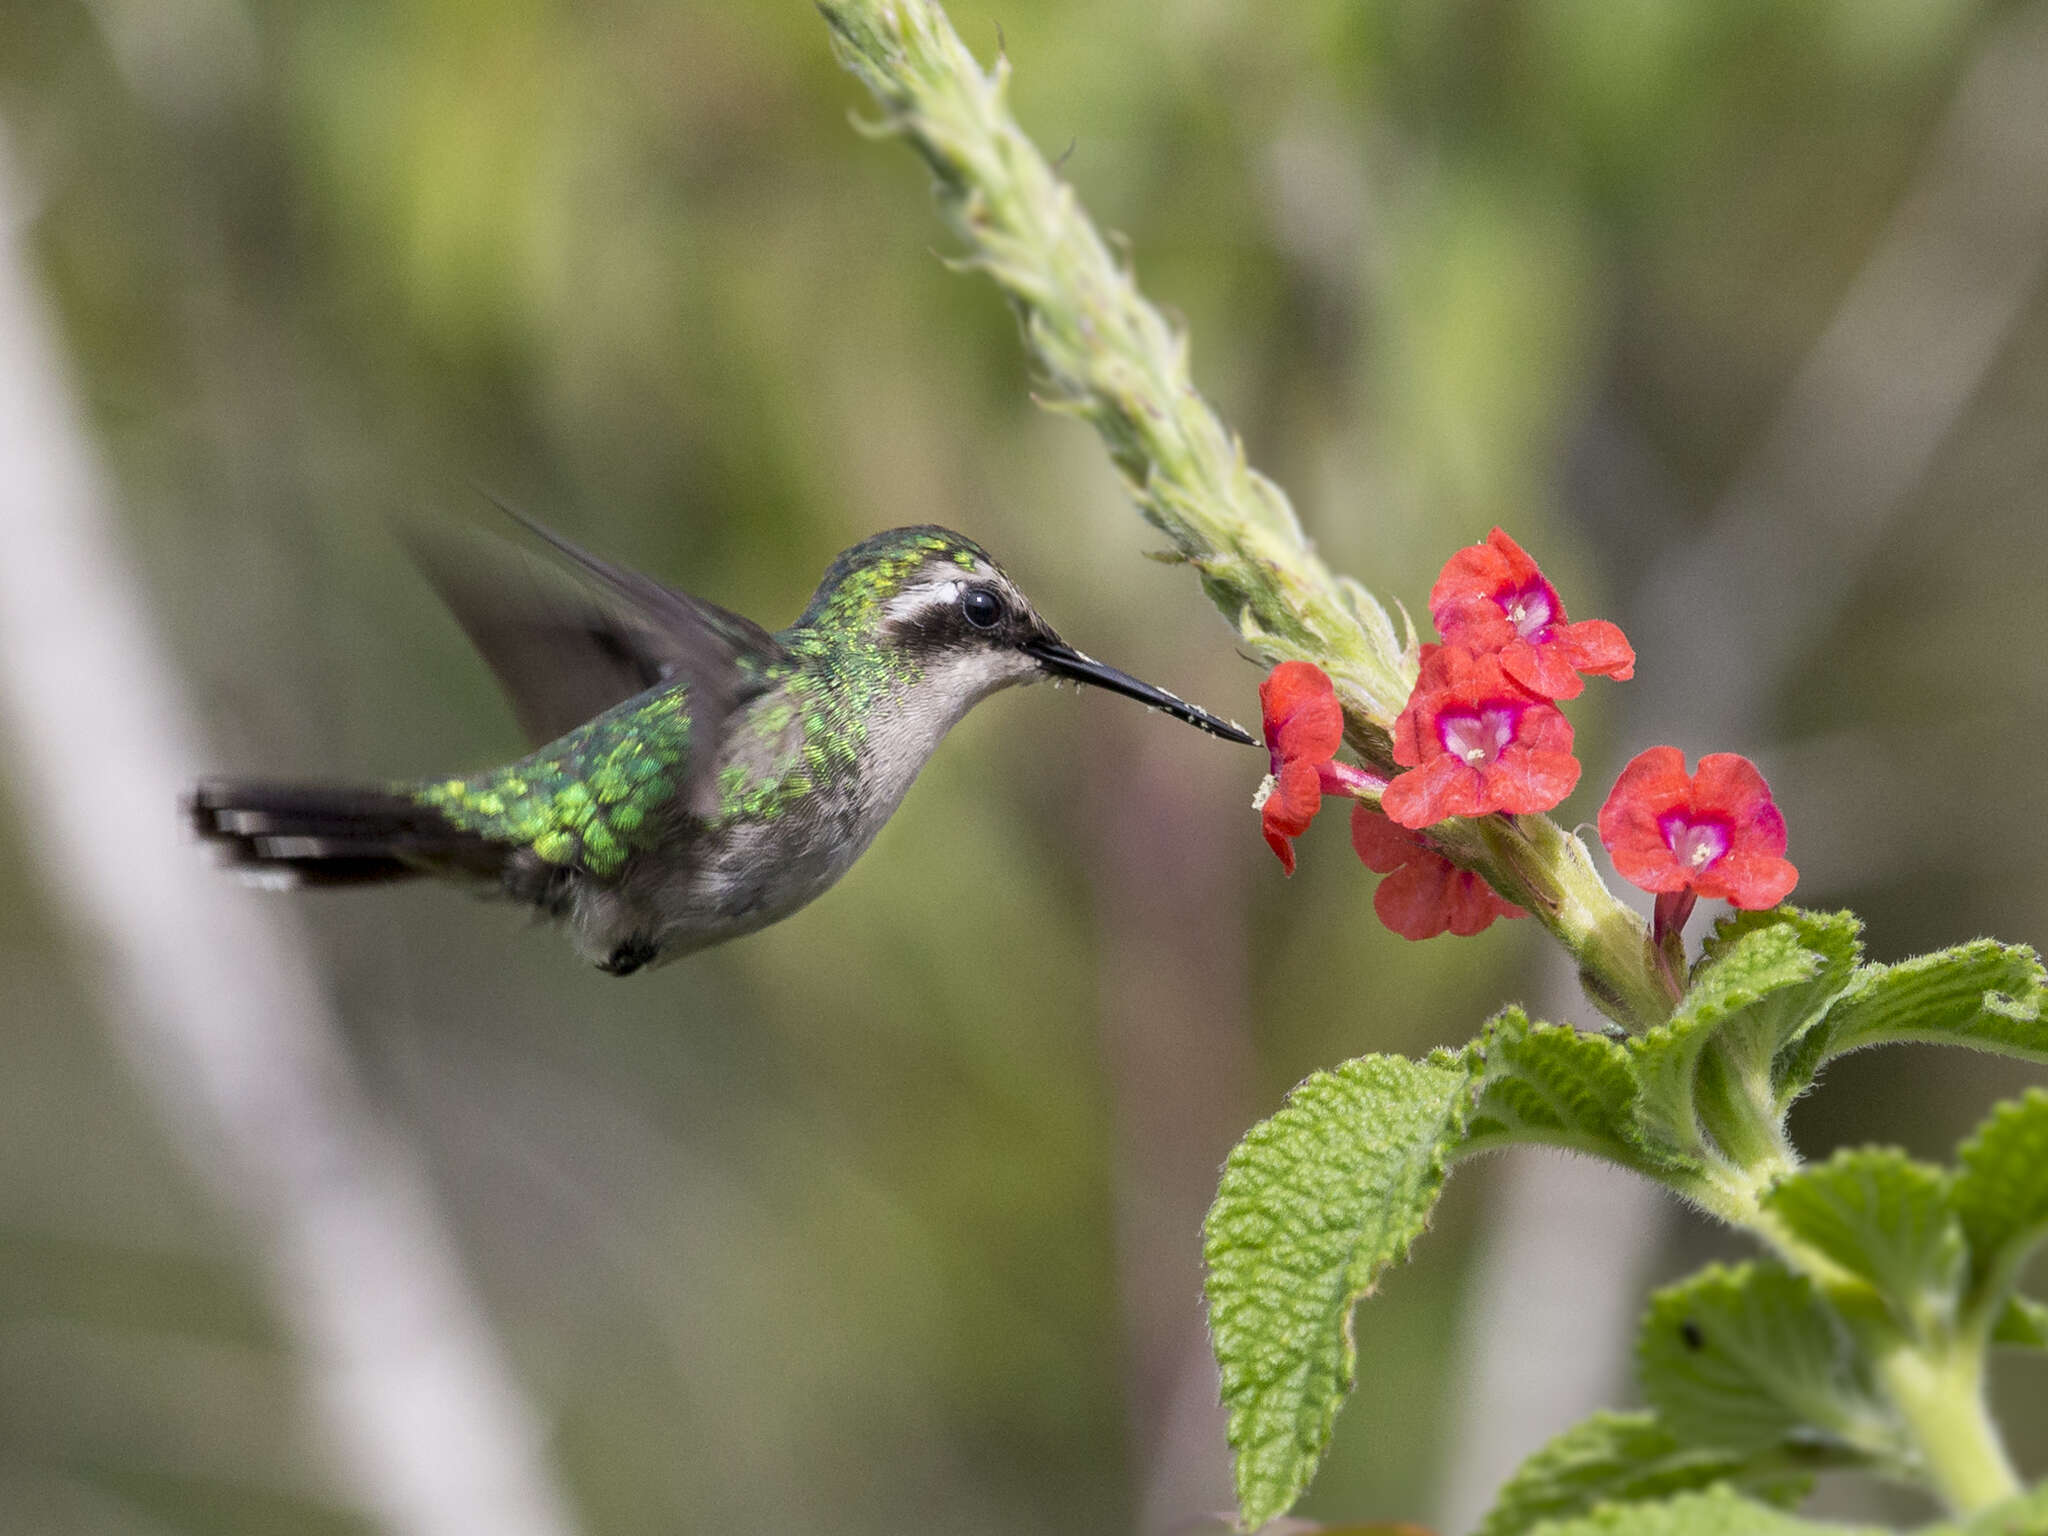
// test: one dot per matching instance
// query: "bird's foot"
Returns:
(629, 957)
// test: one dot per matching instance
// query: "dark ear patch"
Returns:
(932, 629)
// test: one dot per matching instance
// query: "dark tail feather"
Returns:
(313, 834)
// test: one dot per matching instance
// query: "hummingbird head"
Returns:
(936, 599)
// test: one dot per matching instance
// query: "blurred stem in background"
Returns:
(207, 992)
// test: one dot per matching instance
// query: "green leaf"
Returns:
(1717, 1512)
(1748, 1357)
(1622, 1457)
(1735, 951)
(2001, 1192)
(1549, 1083)
(1888, 1221)
(2022, 1325)
(1767, 978)
(1314, 1204)
(1983, 995)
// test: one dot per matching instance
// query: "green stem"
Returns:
(1937, 1387)
(1940, 1397)
(1610, 941)
(1107, 355)
(1740, 1111)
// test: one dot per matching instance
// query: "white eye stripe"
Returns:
(921, 600)
(928, 598)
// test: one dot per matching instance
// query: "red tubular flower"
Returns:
(1475, 742)
(1492, 597)
(1302, 718)
(1304, 726)
(1715, 833)
(1424, 894)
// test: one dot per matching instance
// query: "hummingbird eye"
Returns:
(981, 607)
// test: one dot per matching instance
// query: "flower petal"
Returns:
(1471, 905)
(1654, 782)
(1297, 796)
(1729, 784)
(1425, 795)
(1383, 845)
(1542, 669)
(1413, 900)
(1302, 716)
(1526, 781)
(1754, 882)
(1650, 869)
(1596, 648)
(1477, 573)
(1478, 624)
(1521, 569)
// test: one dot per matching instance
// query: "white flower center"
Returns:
(1695, 844)
(1530, 612)
(1477, 739)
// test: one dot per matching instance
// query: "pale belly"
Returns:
(728, 883)
(717, 884)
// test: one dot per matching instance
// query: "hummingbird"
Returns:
(697, 777)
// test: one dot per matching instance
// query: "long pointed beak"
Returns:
(1062, 660)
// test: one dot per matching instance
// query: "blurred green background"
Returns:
(886, 1219)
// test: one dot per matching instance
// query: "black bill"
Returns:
(1062, 660)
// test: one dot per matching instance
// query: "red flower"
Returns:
(1712, 833)
(1304, 726)
(1424, 894)
(1492, 598)
(1475, 741)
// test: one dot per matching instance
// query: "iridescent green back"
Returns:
(591, 799)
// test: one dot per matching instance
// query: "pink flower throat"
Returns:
(1480, 737)
(1530, 609)
(1695, 844)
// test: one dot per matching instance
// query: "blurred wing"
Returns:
(572, 635)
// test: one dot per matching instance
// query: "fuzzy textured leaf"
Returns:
(1887, 1220)
(1780, 1014)
(1551, 1084)
(1747, 1357)
(1314, 1204)
(1761, 983)
(1983, 995)
(2001, 1191)
(1717, 1512)
(1623, 1458)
